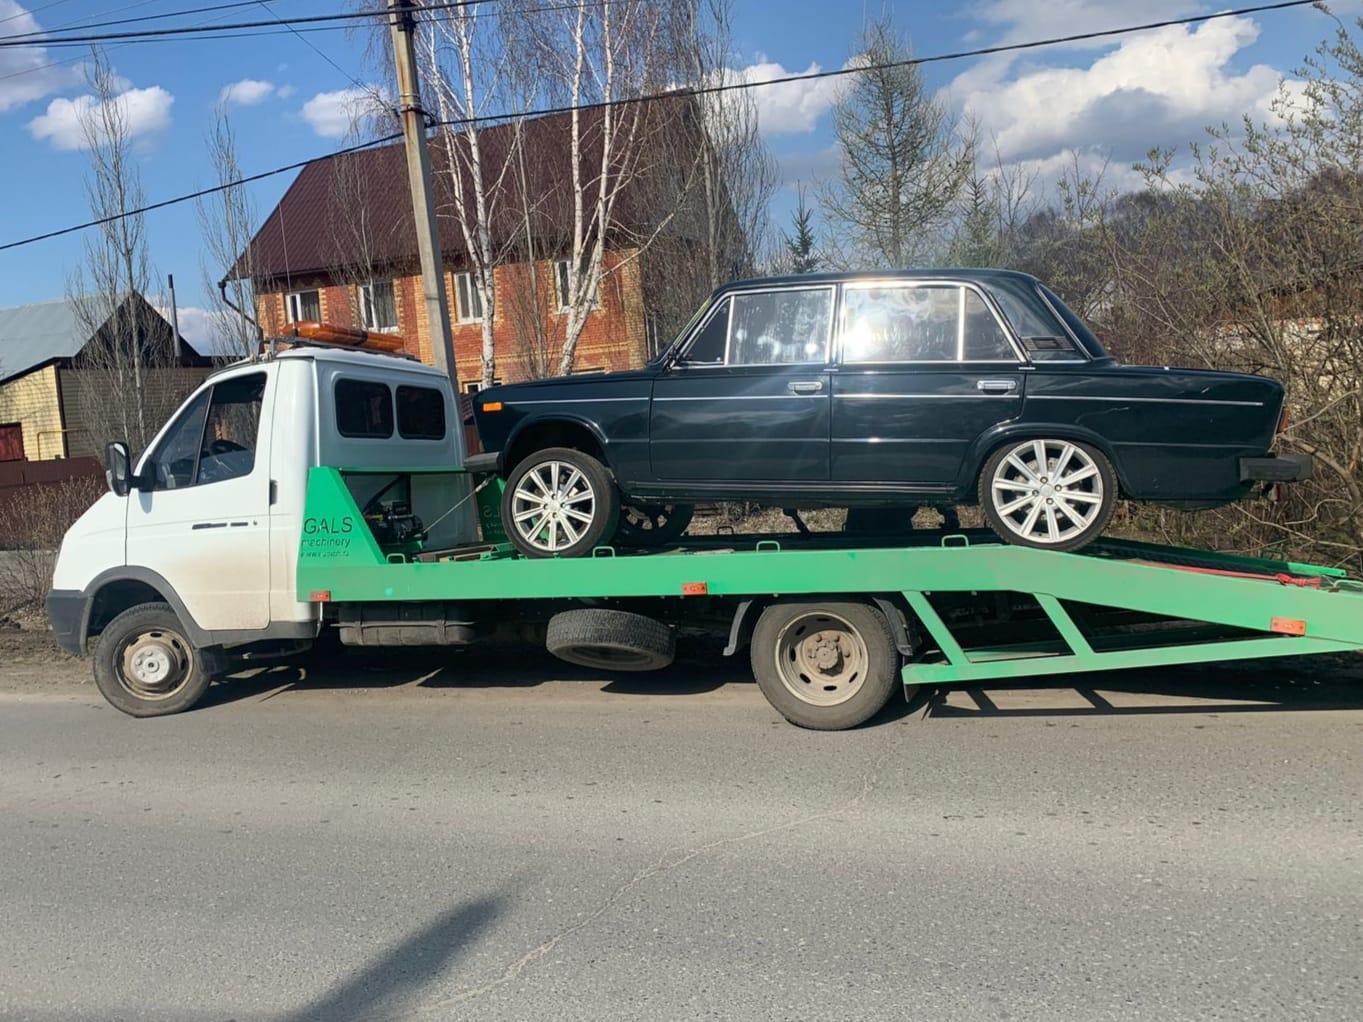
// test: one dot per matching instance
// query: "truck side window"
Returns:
(229, 439)
(364, 409)
(213, 439)
(421, 413)
(171, 465)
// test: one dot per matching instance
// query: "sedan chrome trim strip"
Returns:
(1144, 400)
(514, 402)
(748, 397)
(938, 397)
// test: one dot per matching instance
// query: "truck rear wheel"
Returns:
(611, 640)
(146, 666)
(825, 665)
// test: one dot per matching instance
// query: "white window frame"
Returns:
(562, 276)
(367, 304)
(468, 279)
(475, 386)
(293, 305)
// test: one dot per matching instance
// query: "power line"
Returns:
(373, 92)
(672, 95)
(128, 21)
(33, 10)
(49, 39)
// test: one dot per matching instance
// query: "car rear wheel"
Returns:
(559, 502)
(652, 525)
(1051, 494)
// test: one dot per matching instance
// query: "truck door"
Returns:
(200, 515)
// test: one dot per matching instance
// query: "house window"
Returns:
(468, 298)
(378, 308)
(563, 290)
(304, 306)
(474, 386)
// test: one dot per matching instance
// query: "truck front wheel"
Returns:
(825, 665)
(146, 666)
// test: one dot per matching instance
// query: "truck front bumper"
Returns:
(66, 610)
(1276, 468)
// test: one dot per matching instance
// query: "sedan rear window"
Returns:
(921, 323)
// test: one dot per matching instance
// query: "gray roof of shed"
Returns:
(33, 335)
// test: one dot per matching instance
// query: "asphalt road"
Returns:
(487, 841)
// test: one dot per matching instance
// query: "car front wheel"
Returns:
(1051, 494)
(559, 502)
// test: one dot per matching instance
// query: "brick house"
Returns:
(340, 248)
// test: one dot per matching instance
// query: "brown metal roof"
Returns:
(311, 230)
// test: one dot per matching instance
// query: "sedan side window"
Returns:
(708, 347)
(921, 323)
(780, 327)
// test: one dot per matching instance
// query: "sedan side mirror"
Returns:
(118, 468)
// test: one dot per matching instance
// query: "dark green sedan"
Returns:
(876, 390)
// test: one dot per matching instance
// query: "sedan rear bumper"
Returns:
(1276, 468)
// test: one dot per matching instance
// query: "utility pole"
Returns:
(419, 179)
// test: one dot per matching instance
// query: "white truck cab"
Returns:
(206, 523)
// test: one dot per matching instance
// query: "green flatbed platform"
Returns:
(1116, 605)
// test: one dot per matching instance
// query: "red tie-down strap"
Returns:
(1282, 578)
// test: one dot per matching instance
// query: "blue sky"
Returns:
(1110, 99)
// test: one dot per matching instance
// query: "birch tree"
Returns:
(463, 61)
(594, 59)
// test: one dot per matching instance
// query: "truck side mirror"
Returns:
(118, 467)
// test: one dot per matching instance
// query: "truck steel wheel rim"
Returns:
(553, 506)
(154, 664)
(821, 659)
(1047, 491)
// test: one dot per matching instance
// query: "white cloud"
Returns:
(24, 74)
(332, 114)
(1024, 20)
(248, 92)
(145, 111)
(208, 332)
(1158, 88)
(793, 109)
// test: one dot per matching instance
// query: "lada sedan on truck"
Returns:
(885, 390)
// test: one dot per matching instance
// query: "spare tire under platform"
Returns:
(612, 640)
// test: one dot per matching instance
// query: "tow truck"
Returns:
(320, 491)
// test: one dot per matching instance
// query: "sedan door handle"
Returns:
(996, 386)
(806, 387)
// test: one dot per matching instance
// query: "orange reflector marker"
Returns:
(320, 595)
(1287, 626)
(492, 406)
(695, 588)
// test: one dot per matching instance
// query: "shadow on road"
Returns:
(1244, 687)
(391, 978)
(1308, 683)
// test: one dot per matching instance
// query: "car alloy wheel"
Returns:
(652, 525)
(559, 502)
(1049, 493)
(553, 506)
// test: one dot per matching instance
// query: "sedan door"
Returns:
(749, 398)
(925, 368)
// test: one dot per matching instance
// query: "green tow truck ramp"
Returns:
(961, 608)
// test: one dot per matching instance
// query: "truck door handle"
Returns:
(996, 386)
(806, 387)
